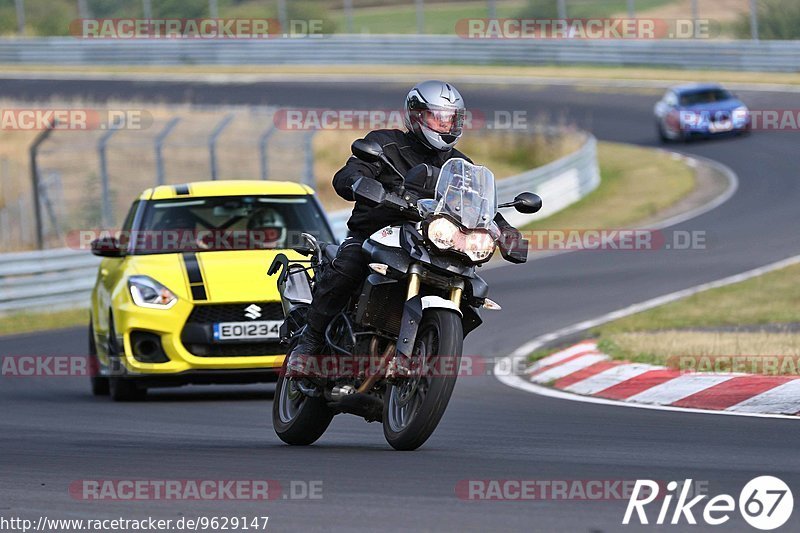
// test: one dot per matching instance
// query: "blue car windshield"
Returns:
(708, 96)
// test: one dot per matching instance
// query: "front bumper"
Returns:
(169, 325)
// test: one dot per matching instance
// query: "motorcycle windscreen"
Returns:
(466, 193)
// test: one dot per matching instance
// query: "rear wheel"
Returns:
(413, 408)
(298, 419)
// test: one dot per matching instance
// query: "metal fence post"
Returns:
(348, 16)
(631, 9)
(420, 16)
(754, 19)
(105, 188)
(308, 176)
(160, 138)
(263, 139)
(562, 9)
(37, 208)
(20, 6)
(212, 143)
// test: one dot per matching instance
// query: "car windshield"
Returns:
(706, 96)
(466, 193)
(227, 223)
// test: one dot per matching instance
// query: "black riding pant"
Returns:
(337, 283)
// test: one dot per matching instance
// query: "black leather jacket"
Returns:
(405, 151)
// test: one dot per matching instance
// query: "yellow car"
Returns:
(182, 294)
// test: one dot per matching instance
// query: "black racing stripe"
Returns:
(195, 275)
(192, 268)
(181, 190)
(199, 292)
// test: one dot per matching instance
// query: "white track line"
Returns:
(609, 378)
(564, 354)
(569, 367)
(517, 358)
(782, 399)
(678, 388)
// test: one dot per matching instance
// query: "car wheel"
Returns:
(99, 383)
(120, 388)
(126, 390)
(662, 135)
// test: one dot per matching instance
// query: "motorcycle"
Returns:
(412, 312)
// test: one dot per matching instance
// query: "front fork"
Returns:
(412, 310)
(415, 281)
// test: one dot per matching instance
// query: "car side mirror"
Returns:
(369, 191)
(107, 247)
(368, 151)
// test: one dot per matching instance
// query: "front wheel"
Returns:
(413, 408)
(298, 419)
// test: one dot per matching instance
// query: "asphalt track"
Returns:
(52, 432)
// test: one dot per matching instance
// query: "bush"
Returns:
(777, 19)
(539, 9)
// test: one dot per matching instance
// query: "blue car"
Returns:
(700, 110)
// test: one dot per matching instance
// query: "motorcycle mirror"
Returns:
(525, 202)
(528, 203)
(368, 151)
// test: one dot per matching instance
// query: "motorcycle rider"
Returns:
(434, 115)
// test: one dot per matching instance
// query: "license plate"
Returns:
(261, 329)
(717, 127)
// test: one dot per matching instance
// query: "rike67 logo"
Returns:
(765, 503)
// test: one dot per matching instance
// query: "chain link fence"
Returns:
(88, 179)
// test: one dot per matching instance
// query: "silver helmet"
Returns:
(434, 112)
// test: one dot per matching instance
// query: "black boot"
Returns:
(310, 344)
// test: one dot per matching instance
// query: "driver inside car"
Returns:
(434, 114)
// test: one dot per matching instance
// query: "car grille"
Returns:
(203, 317)
(209, 314)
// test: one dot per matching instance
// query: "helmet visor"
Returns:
(442, 120)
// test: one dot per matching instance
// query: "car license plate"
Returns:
(719, 127)
(261, 329)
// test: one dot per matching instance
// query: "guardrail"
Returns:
(406, 49)
(63, 278)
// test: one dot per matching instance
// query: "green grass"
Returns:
(31, 322)
(442, 18)
(637, 183)
(669, 335)
(773, 298)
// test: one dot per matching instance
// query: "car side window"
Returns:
(127, 226)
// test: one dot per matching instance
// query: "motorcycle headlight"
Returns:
(443, 233)
(147, 292)
(479, 245)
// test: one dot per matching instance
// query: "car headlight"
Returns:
(741, 114)
(689, 119)
(147, 292)
(478, 245)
